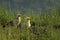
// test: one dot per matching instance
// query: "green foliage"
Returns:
(43, 30)
(5, 16)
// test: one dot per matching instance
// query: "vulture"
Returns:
(28, 22)
(12, 22)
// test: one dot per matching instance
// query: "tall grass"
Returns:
(44, 29)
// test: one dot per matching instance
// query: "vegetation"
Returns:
(47, 26)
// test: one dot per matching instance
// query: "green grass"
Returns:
(43, 30)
